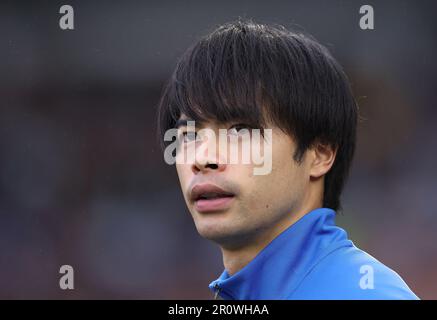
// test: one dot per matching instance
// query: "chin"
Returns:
(215, 231)
(228, 235)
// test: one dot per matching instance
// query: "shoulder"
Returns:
(351, 273)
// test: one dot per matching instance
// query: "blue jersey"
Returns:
(313, 259)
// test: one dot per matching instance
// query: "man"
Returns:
(276, 231)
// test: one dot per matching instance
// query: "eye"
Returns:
(239, 129)
(188, 136)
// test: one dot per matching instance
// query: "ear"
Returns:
(323, 157)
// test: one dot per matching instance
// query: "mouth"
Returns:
(210, 198)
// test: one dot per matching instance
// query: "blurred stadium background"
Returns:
(82, 181)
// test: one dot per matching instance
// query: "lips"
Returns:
(210, 198)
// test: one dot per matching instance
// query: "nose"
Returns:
(207, 157)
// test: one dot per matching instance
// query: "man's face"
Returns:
(229, 204)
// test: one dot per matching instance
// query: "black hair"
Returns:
(262, 74)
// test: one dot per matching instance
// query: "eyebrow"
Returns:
(181, 123)
(184, 123)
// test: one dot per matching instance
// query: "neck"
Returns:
(236, 258)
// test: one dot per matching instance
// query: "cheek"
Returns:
(287, 175)
(275, 195)
(284, 182)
